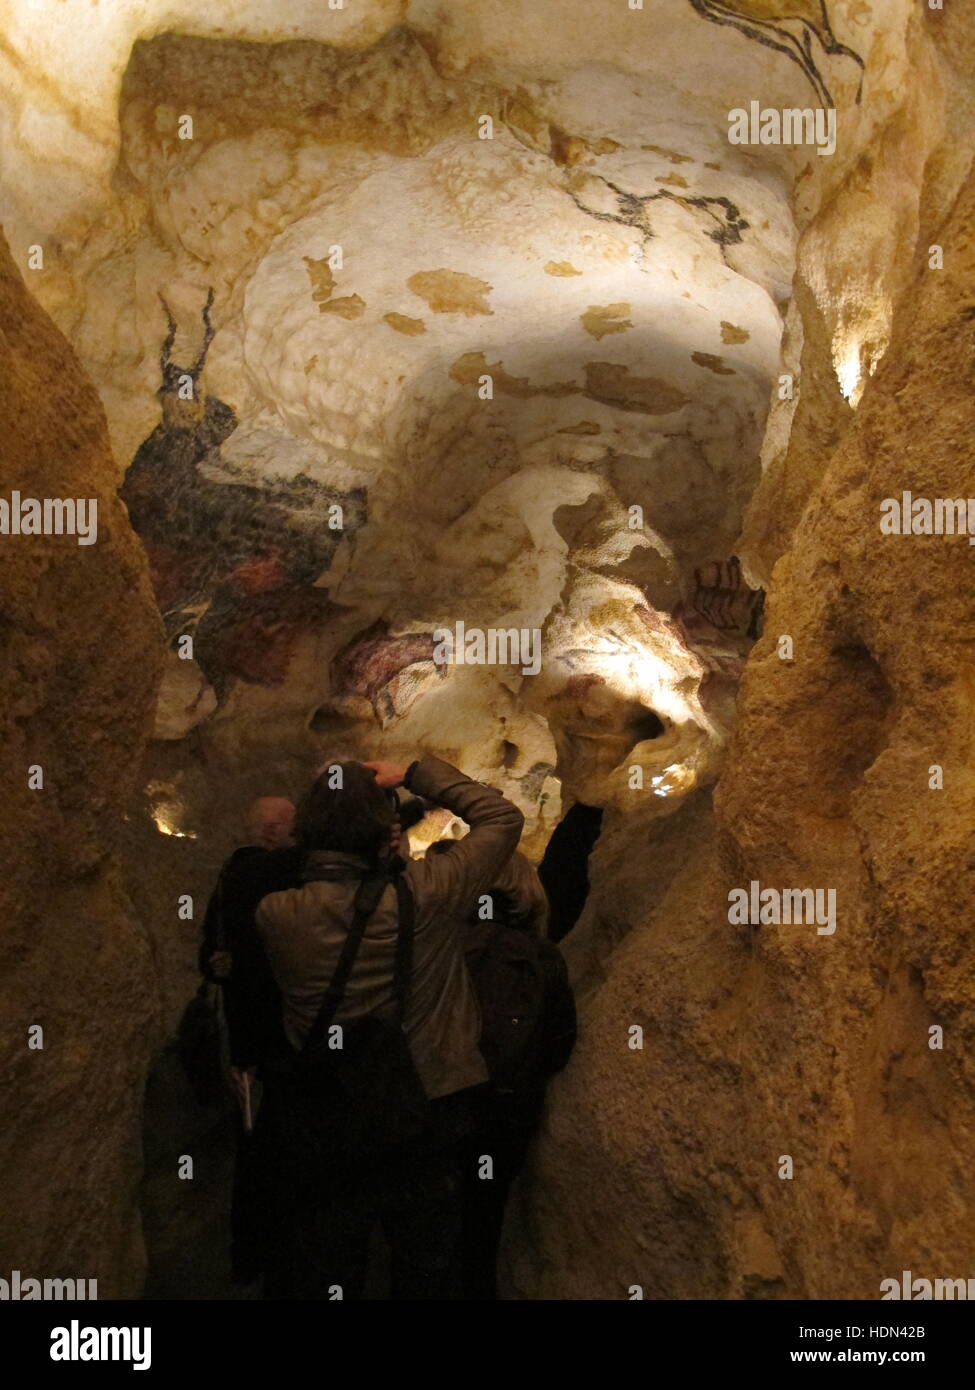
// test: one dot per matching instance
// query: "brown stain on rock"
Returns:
(674, 180)
(404, 324)
(606, 382)
(471, 366)
(612, 384)
(321, 277)
(451, 292)
(520, 113)
(712, 363)
(731, 333)
(582, 427)
(599, 320)
(561, 268)
(672, 155)
(569, 150)
(350, 306)
(386, 96)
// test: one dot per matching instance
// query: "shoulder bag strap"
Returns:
(403, 965)
(367, 898)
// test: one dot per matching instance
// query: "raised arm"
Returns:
(454, 881)
(518, 883)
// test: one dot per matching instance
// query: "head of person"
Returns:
(271, 822)
(346, 811)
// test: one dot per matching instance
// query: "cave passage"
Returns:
(522, 570)
(516, 555)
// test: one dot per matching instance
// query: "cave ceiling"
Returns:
(481, 314)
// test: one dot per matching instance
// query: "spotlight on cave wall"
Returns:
(848, 373)
(856, 356)
(167, 811)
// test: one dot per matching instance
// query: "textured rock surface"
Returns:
(81, 655)
(631, 287)
(661, 1167)
(616, 275)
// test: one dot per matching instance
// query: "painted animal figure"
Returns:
(723, 598)
(233, 564)
(767, 21)
(371, 662)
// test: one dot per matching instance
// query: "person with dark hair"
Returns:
(338, 954)
(231, 952)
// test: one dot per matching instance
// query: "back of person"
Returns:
(304, 931)
(251, 999)
(233, 956)
(528, 1019)
(564, 870)
(520, 980)
(417, 1196)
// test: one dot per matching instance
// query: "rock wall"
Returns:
(530, 332)
(493, 283)
(664, 1167)
(81, 658)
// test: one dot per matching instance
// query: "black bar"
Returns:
(228, 1339)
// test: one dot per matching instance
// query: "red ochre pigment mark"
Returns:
(255, 641)
(262, 575)
(178, 574)
(578, 687)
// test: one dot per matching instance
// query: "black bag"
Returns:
(199, 1045)
(362, 1100)
(528, 1013)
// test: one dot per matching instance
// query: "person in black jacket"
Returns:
(564, 870)
(232, 955)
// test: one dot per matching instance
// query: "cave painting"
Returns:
(720, 620)
(233, 564)
(722, 597)
(371, 664)
(789, 26)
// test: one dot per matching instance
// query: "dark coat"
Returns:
(252, 1001)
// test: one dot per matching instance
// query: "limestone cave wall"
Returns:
(376, 319)
(662, 1167)
(82, 655)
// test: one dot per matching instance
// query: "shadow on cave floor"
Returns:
(186, 1220)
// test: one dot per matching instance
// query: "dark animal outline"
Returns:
(798, 50)
(171, 373)
(725, 586)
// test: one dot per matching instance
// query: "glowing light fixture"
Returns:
(165, 811)
(167, 827)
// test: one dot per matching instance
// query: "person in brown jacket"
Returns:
(418, 1199)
